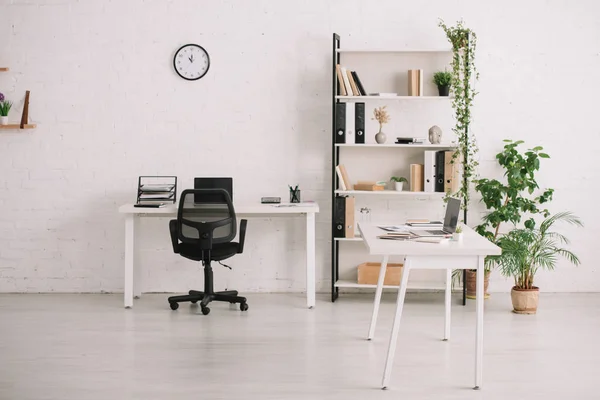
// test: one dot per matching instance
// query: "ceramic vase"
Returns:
(3, 120)
(398, 186)
(380, 137)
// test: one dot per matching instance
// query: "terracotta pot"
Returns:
(525, 301)
(472, 284)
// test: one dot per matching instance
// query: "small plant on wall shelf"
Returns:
(464, 72)
(381, 115)
(443, 80)
(398, 182)
(5, 107)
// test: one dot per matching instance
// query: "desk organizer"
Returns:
(156, 189)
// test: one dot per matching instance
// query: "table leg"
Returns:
(137, 270)
(129, 260)
(389, 362)
(448, 305)
(310, 260)
(377, 300)
(479, 331)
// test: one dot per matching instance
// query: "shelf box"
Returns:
(368, 273)
(18, 126)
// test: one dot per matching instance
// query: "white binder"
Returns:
(350, 123)
(429, 171)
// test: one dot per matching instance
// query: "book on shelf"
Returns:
(340, 79)
(341, 183)
(349, 82)
(361, 88)
(410, 140)
(353, 86)
(346, 81)
(415, 82)
(345, 178)
(416, 177)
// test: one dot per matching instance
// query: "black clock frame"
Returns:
(175, 59)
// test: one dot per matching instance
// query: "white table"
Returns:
(466, 254)
(132, 214)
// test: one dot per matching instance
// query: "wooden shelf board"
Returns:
(445, 50)
(18, 126)
(412, 146)
(354, 239)
(359, 98)
(411, 285)
(389, 193)
(4, 69)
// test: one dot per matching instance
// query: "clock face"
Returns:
(191, 62)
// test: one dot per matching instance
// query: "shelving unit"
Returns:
(337, 150)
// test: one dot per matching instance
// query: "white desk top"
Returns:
(240, 209)
(472, 244)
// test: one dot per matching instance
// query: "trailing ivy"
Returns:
(464, 72)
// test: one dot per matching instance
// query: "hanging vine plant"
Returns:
(464, 73)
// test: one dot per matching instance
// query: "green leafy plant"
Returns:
(464, 72)
(458, 229)
(511, 201)
(526, 250)
(398, 179)
(5, 107)
(442, 78)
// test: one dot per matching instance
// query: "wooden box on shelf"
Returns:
(368, 273)
(369, 186)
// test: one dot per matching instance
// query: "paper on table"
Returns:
(394, 228)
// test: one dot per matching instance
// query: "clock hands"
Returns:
(191, 58)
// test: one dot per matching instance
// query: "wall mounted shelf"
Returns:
(414, 146)
(388, 98)
(393, 50)
(4, 69)
(18, 126)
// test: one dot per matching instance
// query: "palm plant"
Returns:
(525, 251)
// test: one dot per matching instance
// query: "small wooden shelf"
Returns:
(383, 98)
(4, 69)
(405, 146)
(18, 126)
(389, 193)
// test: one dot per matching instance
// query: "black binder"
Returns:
(340, 123)
(359, 123)
(440, 160)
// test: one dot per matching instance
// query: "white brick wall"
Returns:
(109, 107)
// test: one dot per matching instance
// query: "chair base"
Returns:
(195, 296)
(208, 294)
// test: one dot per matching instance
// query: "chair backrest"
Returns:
(206, 223)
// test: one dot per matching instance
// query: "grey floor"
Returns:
(89, 347)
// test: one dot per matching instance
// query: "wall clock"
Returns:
(191, 62)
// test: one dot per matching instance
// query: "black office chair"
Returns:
(203, 231)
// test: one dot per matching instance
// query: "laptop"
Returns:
(450, 222)
(212, 183)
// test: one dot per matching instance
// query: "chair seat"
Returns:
(219, 251)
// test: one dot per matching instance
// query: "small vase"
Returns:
(380, 137)
(3, 120)
(444, 90)
(457, 237)
(398, 186)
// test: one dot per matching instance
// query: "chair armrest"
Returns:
(174, 235)
(243, 224)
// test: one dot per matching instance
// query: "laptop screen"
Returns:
(452, 213)
(212, 183)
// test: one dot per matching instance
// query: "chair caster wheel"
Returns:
(244, 306)
(194, 301)
(205, 310)
(174, 306)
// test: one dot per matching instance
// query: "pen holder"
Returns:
(295, 196)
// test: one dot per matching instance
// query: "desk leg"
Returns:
(479, 331)
(129, 260)
(389, 362)
(377, 300)
(448, 303)
(310, 260)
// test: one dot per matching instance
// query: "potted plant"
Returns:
(398, 182)
(457, 236)
(381, 115)
(443, 79)
(525, 251)
(5, 107)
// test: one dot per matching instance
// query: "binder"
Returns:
(416, 177)
(440, 159)
(451, 170)
(340, 123)
(430, 172)
(343, 218)
(350, 123)
(359, 123)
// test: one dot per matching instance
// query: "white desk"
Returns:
(132, 214)
(468, 254)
